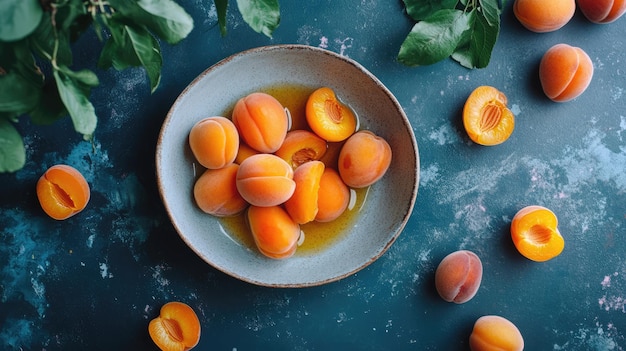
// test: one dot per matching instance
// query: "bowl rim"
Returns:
(280, 47)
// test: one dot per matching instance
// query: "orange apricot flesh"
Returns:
(486, 117)
(62, 191)
(302, 205)
(458, 276)
(328, 117)
(333, 196)
(543, 16)
(177, 328)
(265, 180)
(535, 233)
(262, 121)
(495, 333)
(565, 72)
(364, 159)
(216, 192)
(301, 146)
(214, 141)
(602, 11)
(275, 233)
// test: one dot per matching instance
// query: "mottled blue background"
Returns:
(94, 281)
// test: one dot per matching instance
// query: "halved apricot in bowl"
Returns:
(486, 117)
(328, 117)
(301, 146)
(535, 233)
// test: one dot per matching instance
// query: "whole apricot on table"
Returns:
(333, 196)
(364, 159)
(262, 121)
(602, 11)
(543, 16)
(177, 327)
(265, 180)
(216, 192)
(486, 117)
(458, 276)
(535, 233)
(214, 141)
(302, 205)
(495, 333)
(275, 234)
(62, 191)
(301, 146)
(328, 117)
(565, 72)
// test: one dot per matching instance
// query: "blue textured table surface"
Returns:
(94, 281)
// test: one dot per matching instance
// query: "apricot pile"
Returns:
(280, 176)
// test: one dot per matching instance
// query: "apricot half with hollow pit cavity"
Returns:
(216, 193)
(301, 146)
(302, 205)
(262, 121)
(458, 276)
(364, 159)
(565, 72)
(535, 233)
(177, 327)
(62, 192)
(328, 117)
(495, 333)
(265, 180)
(214, 141)
(486, 117)
(275, 233)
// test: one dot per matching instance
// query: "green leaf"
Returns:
(12, 151)
(165, 18)
(20, 79)
(43, 40)
(50, 107)
(421, 9)
(263, 16)
(74, 89)
(475, 49)
(434, 38)
(18, 18)
(132, 46)
(491, 12)
(221, 6)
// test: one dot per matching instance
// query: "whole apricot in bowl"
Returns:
(565, 72)
(373, 225)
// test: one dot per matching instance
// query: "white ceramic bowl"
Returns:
(389, 201)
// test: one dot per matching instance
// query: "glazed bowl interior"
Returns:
(384, 213)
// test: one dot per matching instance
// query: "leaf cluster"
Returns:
(466, 30)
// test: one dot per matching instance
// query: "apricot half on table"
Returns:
(275, 234)
(486, 117)
(265, 180)
(495, 333)
(301, 146)
(62, 192)
(262, 121)
(328, 117)
(216, 192)
(458, 276)
(302, 205)
(602, 11)
(543, 16)
(565, 72)
(177, 327)
(214, 141)
(535, 233)
(364, 159)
